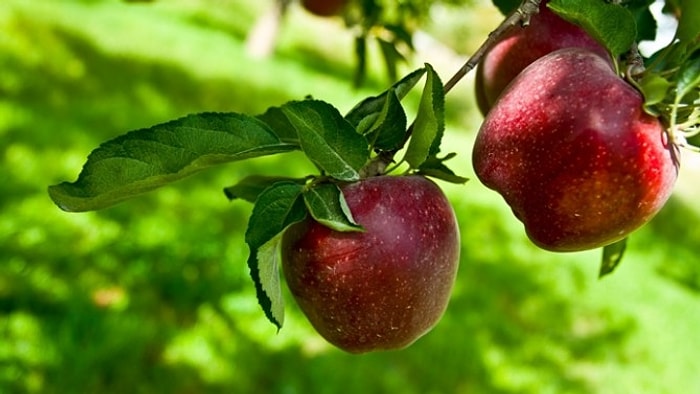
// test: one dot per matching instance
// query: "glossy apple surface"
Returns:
(324, 7)
(385, 287)
(572, 152)
(546, 33)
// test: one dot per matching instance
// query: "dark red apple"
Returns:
(324, 7)
(385, 287)
(546, 33)
(571, 150)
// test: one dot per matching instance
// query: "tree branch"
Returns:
(521, 16)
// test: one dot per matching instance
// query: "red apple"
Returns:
(385, 287)
(546, 33)
(571, 150)
(324, 7)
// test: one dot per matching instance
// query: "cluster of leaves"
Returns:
(671, 79)
(343, 148)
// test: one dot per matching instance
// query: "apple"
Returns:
(383, 288)
(571, 150)
(324, 8)
(546, 33)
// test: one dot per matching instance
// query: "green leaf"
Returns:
(666, 58)
(276, 208)
(610, 24)
(145, 159)
(389, 131)
(269, 261)
(360, 60)
(435, 167)
(280, 124)
(655, 88)
(328, 139)
(364, 115)
(327, 206)
(689, 22)
(689, 78)
(430, 122)
(391, 57)
(612, 256)
(400, 34)
(250, 187)
(646, 24)
(444, 174)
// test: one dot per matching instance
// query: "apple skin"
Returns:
(574, 155)
(383, 288)
(324, 8)
(546, 33)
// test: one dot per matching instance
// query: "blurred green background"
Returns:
(153, 295)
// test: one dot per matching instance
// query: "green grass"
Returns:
(153, 295)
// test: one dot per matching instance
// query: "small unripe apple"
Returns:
(324, 7)
(546, 33)
(385, 287)
(571, 150)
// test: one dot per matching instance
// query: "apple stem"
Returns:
(635, 64)
(376, 166)
(521, 16)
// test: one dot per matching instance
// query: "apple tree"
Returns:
(582, 137)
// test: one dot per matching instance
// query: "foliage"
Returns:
(153, 296)
(145, 159)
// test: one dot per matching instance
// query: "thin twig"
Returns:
(521, 16)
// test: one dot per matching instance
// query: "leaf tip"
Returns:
(59, 198)
(229, 194)
(612, 256)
